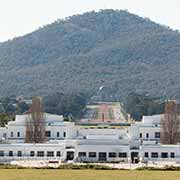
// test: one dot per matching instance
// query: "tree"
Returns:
(22, 107)
(138, 105)
(35, 123)
(170, 124)
(66, 104)
(5, 118)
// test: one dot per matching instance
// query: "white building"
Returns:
(105, 142)
(56, 128)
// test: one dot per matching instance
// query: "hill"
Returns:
(110, 48)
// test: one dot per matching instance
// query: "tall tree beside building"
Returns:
(35, 123)
(170, 131)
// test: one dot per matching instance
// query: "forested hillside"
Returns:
(115, 49)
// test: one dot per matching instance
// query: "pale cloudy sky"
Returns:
(18, 17)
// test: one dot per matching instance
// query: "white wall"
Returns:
(26, 148)
(159, 149)
(54, 123)
(108, 133)
(150, 130)
(102, 148)
(154, 119)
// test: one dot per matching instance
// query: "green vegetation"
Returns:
(73, 106)
(4, 118)
(44, 174)
(138, 105)
(10, 105)
(85, 166)
(165, 168)
(91, 166)
(115, 49)
(70, 105)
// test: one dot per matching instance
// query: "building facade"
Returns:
(104, 142)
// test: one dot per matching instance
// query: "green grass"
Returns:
(45, 174)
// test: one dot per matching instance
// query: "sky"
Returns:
(19, 17)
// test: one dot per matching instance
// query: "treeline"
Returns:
(70, 105)
(9, 107)
(73, 106)
(12, 106)
(138, 105)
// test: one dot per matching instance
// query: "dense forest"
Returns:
(110, 48)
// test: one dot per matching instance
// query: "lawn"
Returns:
(33, 174)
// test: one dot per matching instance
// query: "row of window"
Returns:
(48, 134)
(156, 135)
(32, 153)
(110, 154)
(162, 155)
(12, 134)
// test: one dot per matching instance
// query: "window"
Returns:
(32, 153)
(92, 154)
(157, 134)
(147, 135)
(154, 155)
(50, 154)
(10, 153)
(146, 154)
(58, 134)
(18, 134)
(64, 134)
(19, 153)
(1, 153)
(164, 155)
(112, 155)
(82, 154)
(48, 133)
(172, 155)
(58, 153)
(102, 156)
(12, 134)
(40, 153)
(122, 154)
(140, 135)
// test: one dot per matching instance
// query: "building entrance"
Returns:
(70, 156)
(135, 157)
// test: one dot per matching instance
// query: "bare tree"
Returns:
(170, 124)
(35, 123)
